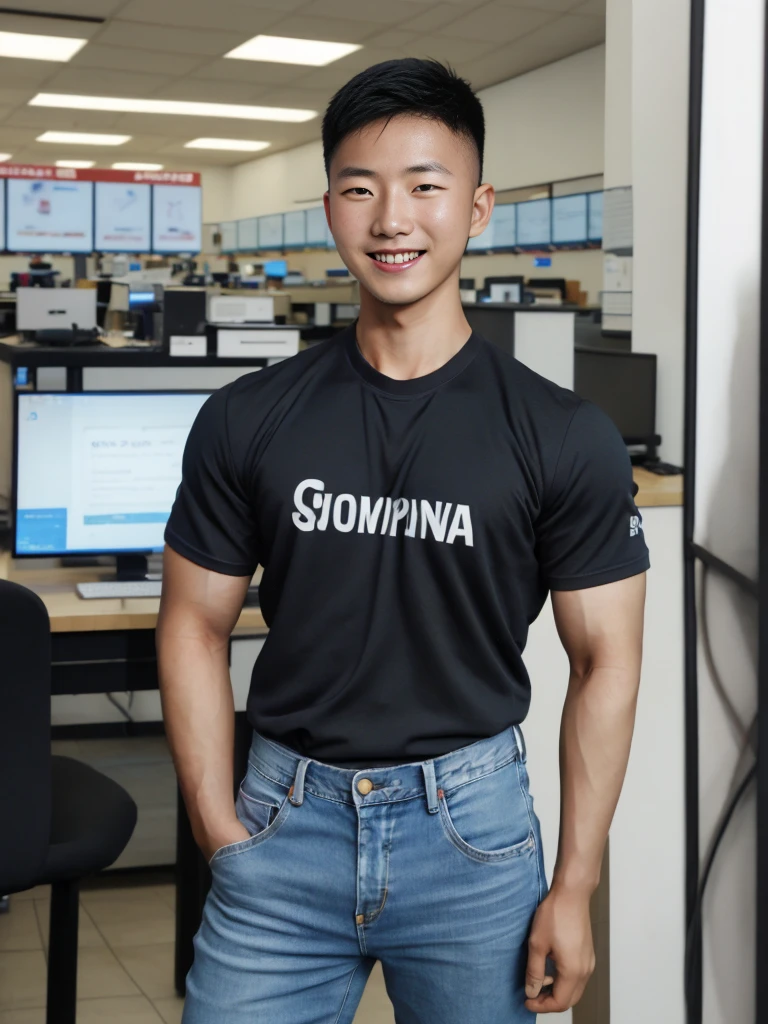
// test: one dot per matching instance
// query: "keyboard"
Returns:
(120, 588)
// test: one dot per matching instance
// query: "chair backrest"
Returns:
(25, 736)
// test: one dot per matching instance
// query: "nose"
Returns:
(393, 215)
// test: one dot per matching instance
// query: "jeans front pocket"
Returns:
(488, 818)
(262, 806)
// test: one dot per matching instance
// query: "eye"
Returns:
(425, 187)
(358, 190)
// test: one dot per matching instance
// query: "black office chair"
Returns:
(60, 820)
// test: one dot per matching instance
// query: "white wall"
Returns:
(727, 450)
(660, 47)
(276, 183)
(618, 94)
(544, 126)
(216, 183)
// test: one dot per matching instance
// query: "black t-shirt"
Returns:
(409, 531)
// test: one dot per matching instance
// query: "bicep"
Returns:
(197, 601)
(602, 626)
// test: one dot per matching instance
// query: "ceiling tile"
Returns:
(23, 73)
(13, 135)
(305, 99)
(444, 48)
(249, 72)
(494, 22)
(590, 7)
(83, 8)
(16, 97)
(433, 19)
(170, 40)
(564, 37)
(40, 119)
(328, 29)
(201, 14)
(391, 12)
(117, 58)
(555, 6)
(394, 37)
(48, 26)
(199, 91)
(90, 82)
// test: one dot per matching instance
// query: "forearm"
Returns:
(198, 709)
(595, 738)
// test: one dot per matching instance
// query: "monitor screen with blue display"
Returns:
(97, 472)
(275, 268)
(595, 216)
(569, 219)
(534, 222)
(141, 299)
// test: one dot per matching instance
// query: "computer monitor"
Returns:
(502, 289)
(275, 268)
(622, 384)
(97, 472)
(138, 299)
(39, 309)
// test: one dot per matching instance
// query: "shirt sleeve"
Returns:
(211, 521)
(590, 531)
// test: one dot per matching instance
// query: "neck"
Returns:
(414, 339)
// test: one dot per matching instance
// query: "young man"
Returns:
(413, 494)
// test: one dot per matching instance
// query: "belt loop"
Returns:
(428, 767)
(296, 792)
(520, 742)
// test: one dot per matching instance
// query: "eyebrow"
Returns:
(364, 172)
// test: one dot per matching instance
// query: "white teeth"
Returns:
(399, 257)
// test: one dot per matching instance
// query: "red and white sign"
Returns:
(97, 174)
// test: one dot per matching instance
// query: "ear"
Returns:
(327, 205)
(482, 208)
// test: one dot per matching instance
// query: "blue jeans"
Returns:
(435, 868)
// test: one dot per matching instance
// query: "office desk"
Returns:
(655, 491)
(105, 646)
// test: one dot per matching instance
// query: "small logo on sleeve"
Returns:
(635, 526)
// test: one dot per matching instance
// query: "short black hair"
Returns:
(408, 85)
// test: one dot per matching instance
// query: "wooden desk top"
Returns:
(70, 613)
(657, 490)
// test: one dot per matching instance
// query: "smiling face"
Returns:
(402, 200)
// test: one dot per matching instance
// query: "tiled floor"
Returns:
(125, 959)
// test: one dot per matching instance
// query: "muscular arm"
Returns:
(601, 629)
(198, 610)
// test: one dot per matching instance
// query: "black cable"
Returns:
(694, 927)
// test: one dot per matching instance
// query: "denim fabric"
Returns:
(435, 868)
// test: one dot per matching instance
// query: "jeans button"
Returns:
(364, 786)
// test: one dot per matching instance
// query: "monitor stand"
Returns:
(131, 567)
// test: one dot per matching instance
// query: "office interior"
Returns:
(152, 254)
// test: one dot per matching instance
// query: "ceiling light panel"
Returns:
(31, 47)
(124, 105)
(286, 50)
(77, 164)
(4, 157)
(130, 166)
(244, 145)
(83, 138)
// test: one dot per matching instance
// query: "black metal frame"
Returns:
(693, 553)
(761, 950)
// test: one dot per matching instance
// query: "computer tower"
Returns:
(184, 313)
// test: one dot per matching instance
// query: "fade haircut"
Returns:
(410, 85)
